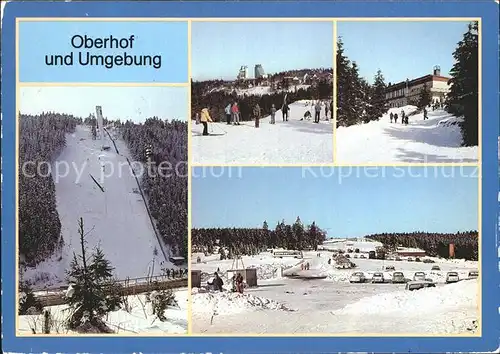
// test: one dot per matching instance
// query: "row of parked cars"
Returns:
(399, 278)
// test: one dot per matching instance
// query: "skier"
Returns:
(217, 283)
(228, 113)
(391, 116)
(317, 112)
(205, 118)
(284, 112)
(326, 111)
(425, 114)
(273, 114)
(236, 113)
(395, 117)
(403, 117)
(256, 114)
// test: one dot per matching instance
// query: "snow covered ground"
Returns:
(115, 219)
(290, 142)
(137, 320)
(437, 139)
(282, 304)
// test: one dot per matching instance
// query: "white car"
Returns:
(452, 277)
(378, 278)
(358, 277)
(419, 276)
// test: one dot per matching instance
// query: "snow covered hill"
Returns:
(290, 142)
(115, 219)
(437, 139)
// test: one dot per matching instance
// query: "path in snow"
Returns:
(289, 142)
(437, 139)
(117, 219)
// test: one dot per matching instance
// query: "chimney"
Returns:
(437, 70)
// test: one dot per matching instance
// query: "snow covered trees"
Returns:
(93, 292)
(166, 185)
(357, 100)
(41, 140)
(424, 98)
(462, 100)
(434, 244)
(246, 241)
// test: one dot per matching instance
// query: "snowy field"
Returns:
(137, 319)
(115, 219)
(437, 139)
(290, 142)
(281, 304)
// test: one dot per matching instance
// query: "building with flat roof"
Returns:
(408, 92)
(259, 72)
(243, 73)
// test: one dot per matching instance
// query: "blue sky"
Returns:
(401, 49)
(218, 49)
(347, 202)
(134, 103)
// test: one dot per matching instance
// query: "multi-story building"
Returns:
(259, 72)
(243, 73)
(408, 92)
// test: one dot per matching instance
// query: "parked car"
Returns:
(357, 277)
(419, 276)
(347, 255)
(428, 260)
(410, 259)
(389, 268)
(473, 274)
(355, 255)
(435, 267)
(417, 285)
(378, 277)
(417, 260)
(452, 277)
(398, 277)
(398, 259)
(362, 256)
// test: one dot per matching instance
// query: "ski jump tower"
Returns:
(100, 126)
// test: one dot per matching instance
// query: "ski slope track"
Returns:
(116, 219)
(435, 140)
(290, 142)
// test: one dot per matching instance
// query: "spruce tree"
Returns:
(94, 292)
(298, 235)
(424, 98)
(377, 106)
(462, 100)
(342, 85)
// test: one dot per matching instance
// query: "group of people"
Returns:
(180, 273)
(394, 117)
(305, 266)
(317, 111)
(238, 283)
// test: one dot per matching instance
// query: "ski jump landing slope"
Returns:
(115, 219)
(435, 140)
(290, 142)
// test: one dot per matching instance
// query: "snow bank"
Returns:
(453, 296)
(225, 303)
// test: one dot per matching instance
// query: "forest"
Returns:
(41, 140)
(359, 101)
(204, 94)
(167, 191)
(251, 241)
(434, 244)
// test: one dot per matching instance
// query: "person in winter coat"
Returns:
(331, 109)
(197, 118)
(395, 117)
(403, 117)
(425, 114)
(227, 110)
(326, 111)
(307, 116)
(284, 112)
(217, 283)
(256, 114)
(391, 117)
(273, 114)
(235, 111)
(205, 118)
(239, 283)
(317, 112)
